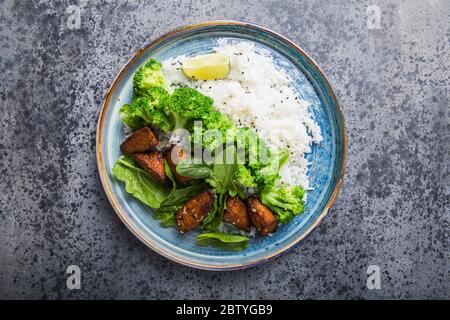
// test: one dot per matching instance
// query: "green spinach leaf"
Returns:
(170, 174)
(223, 241)
(223, 172)
(174, 202)
(222, 181)
(212, 221)
(193, 170)
(166, 216)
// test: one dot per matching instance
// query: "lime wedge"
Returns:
(207, 67)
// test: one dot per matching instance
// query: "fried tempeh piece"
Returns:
(153, 163)
(236, 214)
(181, 155)
(261, 216)
(195, 211)
(140, 141)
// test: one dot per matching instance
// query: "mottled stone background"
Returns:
(393, 210)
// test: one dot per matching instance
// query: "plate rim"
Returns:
(118, 209)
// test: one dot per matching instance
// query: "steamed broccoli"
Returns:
(157, 94)
(218, 122)
(256, 178)
(244, 177)
(267, 175)
(256, 150)
(131, 115)
(147, 110)
(285, 202)
(148, 76)
(186, 105)
(262, 165)
(262, 174)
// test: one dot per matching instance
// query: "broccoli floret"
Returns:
(262, 165)
(148, 76)
(265, 180)
(214, 120)
(285, 202)
(267, 175)
(186, 105)
(244, 177)
(131, 116)
(157, 94)
(256, 150)
(147, 110)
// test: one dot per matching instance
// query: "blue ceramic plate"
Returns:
(327, 159)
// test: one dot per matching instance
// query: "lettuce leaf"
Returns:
(139, 183)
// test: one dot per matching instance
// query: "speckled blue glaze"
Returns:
(326, 159)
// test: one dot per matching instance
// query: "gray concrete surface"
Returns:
(393, 210)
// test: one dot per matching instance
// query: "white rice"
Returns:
(260, 96)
